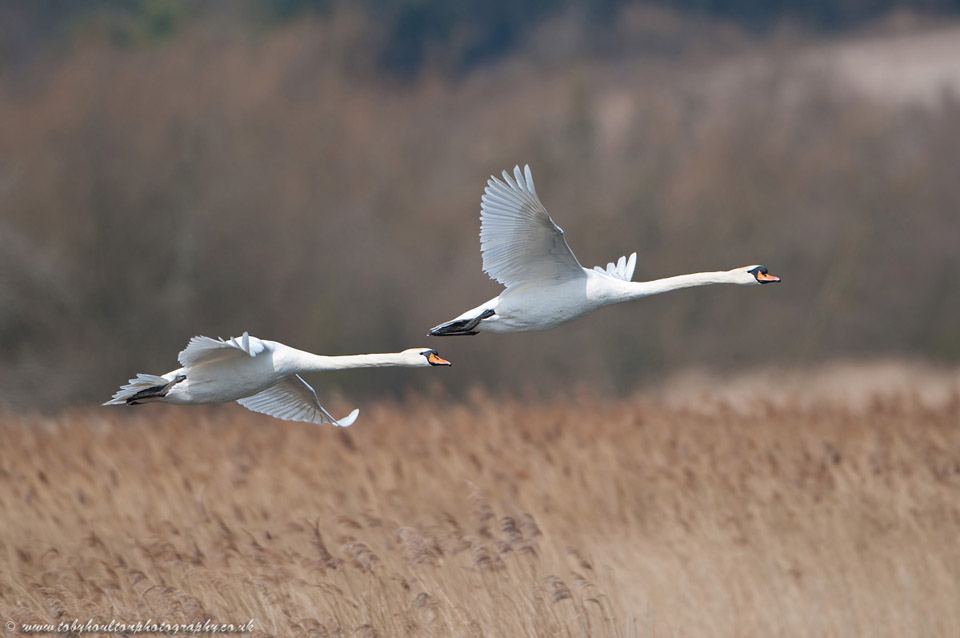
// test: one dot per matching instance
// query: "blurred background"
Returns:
(311, 171)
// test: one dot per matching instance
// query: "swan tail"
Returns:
(143, 389)
(461, 327)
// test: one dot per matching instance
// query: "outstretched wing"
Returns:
(204, 349)
(623, 269)
(293, 400)
(518, 240)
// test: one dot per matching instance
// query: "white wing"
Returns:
(518, 240)
(204, 349)
(293, 400)
(623, 269)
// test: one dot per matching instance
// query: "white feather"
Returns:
(204, 349)
(135, 385)
(546, 286)
(518, 240)
(262, 376)
(293, 400)
(622, 270)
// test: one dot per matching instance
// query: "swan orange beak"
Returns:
(764, 278)
(437, 360)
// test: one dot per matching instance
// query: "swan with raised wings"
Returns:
(260, 375)
(546, 286)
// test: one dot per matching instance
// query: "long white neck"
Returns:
(309, 362)
(629, 290)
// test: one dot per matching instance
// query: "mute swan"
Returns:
(524, 250)
(260, 375)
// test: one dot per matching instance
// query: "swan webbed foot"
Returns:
(462, 327)
(154, 392)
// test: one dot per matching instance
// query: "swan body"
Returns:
(262, 376)
(546, 286)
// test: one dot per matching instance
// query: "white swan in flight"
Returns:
(260, 375)
(524, 250)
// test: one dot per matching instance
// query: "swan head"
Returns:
(753, 275)
(423, 357)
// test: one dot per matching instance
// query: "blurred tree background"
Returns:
(311, 171)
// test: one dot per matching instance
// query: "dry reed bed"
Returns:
(491, 518)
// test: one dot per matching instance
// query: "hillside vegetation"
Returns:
(222, 179)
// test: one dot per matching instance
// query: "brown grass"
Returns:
(713, 516)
